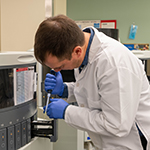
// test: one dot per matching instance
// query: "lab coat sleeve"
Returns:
(119, 90)
(71, 98)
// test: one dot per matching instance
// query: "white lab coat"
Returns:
(113, 95)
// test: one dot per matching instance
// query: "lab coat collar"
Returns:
(94, 51)
(85, 61)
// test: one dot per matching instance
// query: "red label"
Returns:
(21, 69)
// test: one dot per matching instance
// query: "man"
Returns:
(111, 88)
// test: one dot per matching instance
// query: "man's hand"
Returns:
(54, 83)
(56, 109)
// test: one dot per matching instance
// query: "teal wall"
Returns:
(126, 12)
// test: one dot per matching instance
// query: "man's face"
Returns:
(54, 63)
(77, 57)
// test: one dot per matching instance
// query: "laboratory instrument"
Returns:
(18, 102)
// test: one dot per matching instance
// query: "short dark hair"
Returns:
(57, 36)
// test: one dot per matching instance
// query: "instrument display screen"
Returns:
(17, 85)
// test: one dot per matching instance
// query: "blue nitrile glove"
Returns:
(56, 108)
(54, 83)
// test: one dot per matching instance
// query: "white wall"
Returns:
(19, 20)
(60, 7)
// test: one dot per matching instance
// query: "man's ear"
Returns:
(77, 51)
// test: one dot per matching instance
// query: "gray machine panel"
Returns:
(13, 115)
(28, 130)
(18, 135)
(24, 132)
(3, 139)
(11, 136)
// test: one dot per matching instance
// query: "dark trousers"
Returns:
(144, 142)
